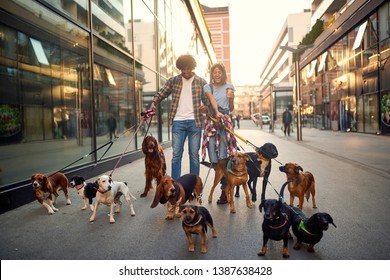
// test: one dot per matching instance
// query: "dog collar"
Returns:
(197, 222)
(81, 186)
(98, 190)
(302, 227)
(237, 175)
(282, 225)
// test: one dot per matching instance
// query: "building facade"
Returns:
(66, 66)
(276, 83)
(345, 76)
(218, 22)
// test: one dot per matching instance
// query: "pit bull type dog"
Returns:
(46, 189)
(195, 220)
(109, 193)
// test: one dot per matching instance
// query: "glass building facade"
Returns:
(67, 65)
(347, 87)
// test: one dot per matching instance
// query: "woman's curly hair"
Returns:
(184, 61)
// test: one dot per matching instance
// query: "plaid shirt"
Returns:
(211, 129)
(174, 86)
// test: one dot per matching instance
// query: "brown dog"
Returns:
(155, 164)
(300, 183)
(46, 189)
(177, 192)
(195, 220)
(236, 174)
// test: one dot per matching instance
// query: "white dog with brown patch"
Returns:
(109, 193)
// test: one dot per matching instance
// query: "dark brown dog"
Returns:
(177, 192)
(46, 189)
(155, 164)
(300, 183)
(195, 220)
(236, 174)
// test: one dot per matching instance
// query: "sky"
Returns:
(254, 27)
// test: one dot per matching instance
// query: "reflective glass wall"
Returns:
(64, 84)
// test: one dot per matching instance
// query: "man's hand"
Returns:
(203, 109)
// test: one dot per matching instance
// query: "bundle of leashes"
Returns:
(146, 115)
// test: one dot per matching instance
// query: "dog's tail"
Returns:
(281, 194)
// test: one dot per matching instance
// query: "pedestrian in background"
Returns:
(287, 119)
(185, 115)
(111, 123)
(217, 139)
(238, 118)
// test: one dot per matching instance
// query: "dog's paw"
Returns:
(68, 202)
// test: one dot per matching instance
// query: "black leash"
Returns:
(87, 155)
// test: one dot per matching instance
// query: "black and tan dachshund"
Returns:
(276, 223)
(308, 230)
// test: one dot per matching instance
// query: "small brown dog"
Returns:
(177, 192)
(155, 164)
(46, 189)
(236, 174)
(300, 183)
(195, 220)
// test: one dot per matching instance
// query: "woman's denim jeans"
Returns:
(180, 131)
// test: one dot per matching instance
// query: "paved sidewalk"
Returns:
(352, 178)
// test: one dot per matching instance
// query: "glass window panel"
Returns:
(76, 9)
(359, 36)
(144, 35)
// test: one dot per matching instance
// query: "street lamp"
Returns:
(298, 96)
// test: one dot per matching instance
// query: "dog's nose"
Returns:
(172, 190)
(109, 188)
(35, 184)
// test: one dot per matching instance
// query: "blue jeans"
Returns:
(180, 131)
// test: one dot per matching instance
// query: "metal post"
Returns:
(298, 99)
(261, 111)
(272, 107)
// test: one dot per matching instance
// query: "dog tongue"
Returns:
(150, 150)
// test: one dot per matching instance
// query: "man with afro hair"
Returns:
(185, 114)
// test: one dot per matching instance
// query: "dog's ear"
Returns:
(298, 168)
(82, 179)
(33, 177)
(261, 206)
(158, 195)
(144, 148)
(330, 220)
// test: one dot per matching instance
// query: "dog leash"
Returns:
(145, 116)
(85, 156)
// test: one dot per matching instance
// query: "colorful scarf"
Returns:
(212, 129)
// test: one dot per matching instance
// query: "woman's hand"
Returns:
(219, 114)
